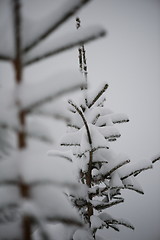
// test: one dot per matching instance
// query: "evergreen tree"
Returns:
(32, 184)
(102, 173)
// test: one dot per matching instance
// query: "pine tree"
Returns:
(102, 173)
(26, 177)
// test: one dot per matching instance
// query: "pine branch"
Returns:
(69, 11)
(134, 189)
(136, 172)
(107, 205)
(120, 121)
(70, 144)
(98, 95)
(93, 150)
(52, 91)
(96, 118)
(73, 126)
(114, 227)
(6, 58)
(101, 104)
(155, 159)
(116, 167)
(84, 121)
(113, 137)
(60, 154)
(119, 222)
(86, 35)
(102, 177)
(27, 133)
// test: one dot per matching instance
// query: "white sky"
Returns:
(129, 59)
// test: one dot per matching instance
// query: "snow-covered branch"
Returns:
(34, 95)
(52, 22)
(98, 95)
(55, 46)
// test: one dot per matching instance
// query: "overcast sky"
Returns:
(129, 60)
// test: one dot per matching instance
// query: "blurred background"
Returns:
(128, 58)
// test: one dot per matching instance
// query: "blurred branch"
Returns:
(5, 58)
(28, 109)
(28, 133)
(74, 39)
(69, 9)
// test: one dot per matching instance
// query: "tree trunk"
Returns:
(21, 138)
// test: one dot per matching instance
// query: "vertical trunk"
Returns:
(21, 138)
(88, 182)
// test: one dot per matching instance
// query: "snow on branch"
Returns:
(66, 155)
(42, 29)
(55, 46)
(132, 184)
(109, 132)
(71, 139)
(135, 169)
(54, 208)
(99, 205)
(109, 220)
(34, 128)
(33, 95)
(116, 167)
(38, 128)
(56, 109)
(119, 118)
(40, 169)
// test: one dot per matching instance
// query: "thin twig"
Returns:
(98, 95)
